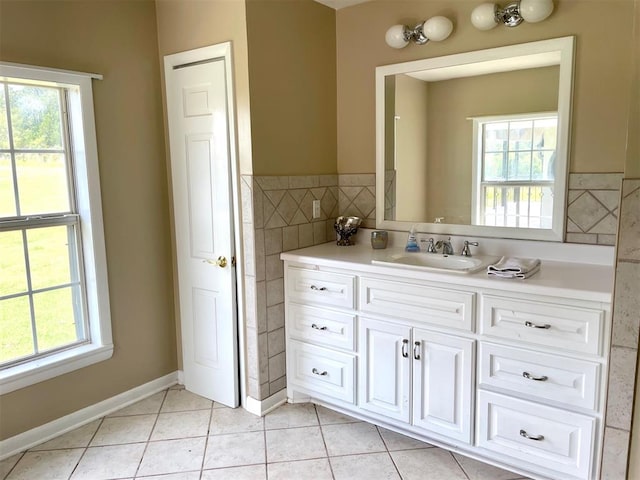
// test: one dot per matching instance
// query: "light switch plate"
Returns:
(316, 209)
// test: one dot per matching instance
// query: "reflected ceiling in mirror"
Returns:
(476, 143)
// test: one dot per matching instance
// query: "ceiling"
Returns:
(338, 4)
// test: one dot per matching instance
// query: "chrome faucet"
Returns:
(431, 248)
(447, 249)
(466, 252)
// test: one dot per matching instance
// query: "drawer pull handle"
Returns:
(316, 327)
(405, 348)
(546, 326)
(319, 289)
(315, 371)
(416, 351)
(537, 438)
(543, 378)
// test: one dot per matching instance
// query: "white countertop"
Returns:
(578, 281)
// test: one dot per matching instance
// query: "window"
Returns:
(54, 312)
(515, 170)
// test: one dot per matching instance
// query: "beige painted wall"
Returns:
(603, 70)
(118, 40)
(412, 102)
(186, 25)
(292, 72)
(632, 168)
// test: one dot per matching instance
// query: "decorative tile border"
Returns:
(357, 197)
(592, 211)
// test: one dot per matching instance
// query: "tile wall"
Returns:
(624, 343)
(592, 211)
(277, 216)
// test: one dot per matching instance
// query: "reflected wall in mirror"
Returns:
(470, 142)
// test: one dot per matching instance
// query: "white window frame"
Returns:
(478, 164)
(83, 146)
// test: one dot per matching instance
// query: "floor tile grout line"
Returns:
(455, 459)
(324, 442)
(206, 441)
(146, 445)
(86, 447)
(388, 451)
(266, 465)
(22, 454)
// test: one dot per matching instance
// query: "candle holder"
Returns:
(345, 228)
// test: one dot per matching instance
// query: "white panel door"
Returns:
(385, 363)
(443, 384)
(201, 155)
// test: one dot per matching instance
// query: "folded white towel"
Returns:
(511, 267)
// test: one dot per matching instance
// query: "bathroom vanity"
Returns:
(510, 372)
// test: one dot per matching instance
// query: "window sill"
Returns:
(36, 371)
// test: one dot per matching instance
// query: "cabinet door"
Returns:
(384, 371)
(442, 383)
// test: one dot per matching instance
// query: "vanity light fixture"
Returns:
(487, 15)
(436, 29)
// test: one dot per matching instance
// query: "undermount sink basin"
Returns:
(430, 261)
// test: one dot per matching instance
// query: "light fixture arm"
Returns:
(509, 15)
(417, 35)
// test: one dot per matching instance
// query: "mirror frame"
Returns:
(566, 47)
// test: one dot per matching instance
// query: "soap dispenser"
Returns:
(412, 241)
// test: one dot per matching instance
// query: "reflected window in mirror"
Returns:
(514, 171)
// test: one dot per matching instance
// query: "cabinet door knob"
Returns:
(546, 326)
(315, 371)
(543, 378)
(416, 350)
(537, 438)
(316, 327)
(405, 348)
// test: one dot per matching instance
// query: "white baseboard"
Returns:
(41, 434)
(262, 407)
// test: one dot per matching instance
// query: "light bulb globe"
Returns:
(483, 16)
(395, 37)
(535, 10)
(437, 28)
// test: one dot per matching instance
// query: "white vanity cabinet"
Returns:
(469, 363)
(409, 372)
(541, 367)
(416, 376)
(320, 326)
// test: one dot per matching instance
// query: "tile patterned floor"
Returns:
(176, 435)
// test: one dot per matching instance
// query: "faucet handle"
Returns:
(431, 248)
(466, 251)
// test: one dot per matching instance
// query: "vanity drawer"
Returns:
(324, 288)
(544, 437)
(321, 326)
(321, 371)
(447, 308)
(533, 374)
(548, 324)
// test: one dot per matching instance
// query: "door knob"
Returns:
(220, 262)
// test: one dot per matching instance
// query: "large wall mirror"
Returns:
(476, 143)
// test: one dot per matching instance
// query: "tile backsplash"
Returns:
(593, 208)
